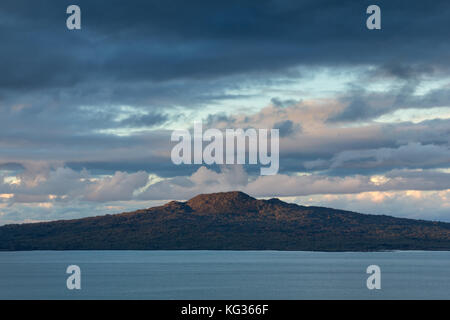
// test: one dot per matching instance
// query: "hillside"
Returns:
(230, 221)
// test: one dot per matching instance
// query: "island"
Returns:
(230, 221)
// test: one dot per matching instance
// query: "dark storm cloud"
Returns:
(364, 105)
(283, 103)
(393, 146)
(156, 40)
(357, 109)
(144, 120)
(61, 90)
(287, 128)
(156, 55)
(402, 71)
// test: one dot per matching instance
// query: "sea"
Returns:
(236, 275)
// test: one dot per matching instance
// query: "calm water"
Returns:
(224, 275)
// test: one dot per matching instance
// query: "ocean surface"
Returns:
(224, 275)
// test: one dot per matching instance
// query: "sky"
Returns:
(86, 115)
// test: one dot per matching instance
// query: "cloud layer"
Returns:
(86, 116)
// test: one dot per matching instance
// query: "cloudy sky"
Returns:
(86, 115)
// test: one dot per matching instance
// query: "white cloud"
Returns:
(121, 186)
(235, 178)
(429, 205)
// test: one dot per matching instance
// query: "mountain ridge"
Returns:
(230, 221)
